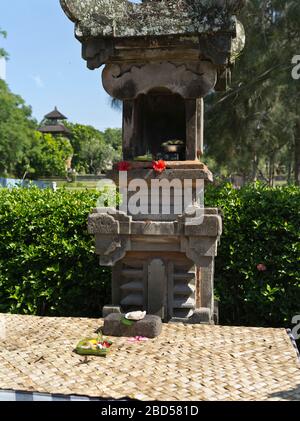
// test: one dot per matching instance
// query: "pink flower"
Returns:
(261, 267)
(123, 166)
(137, 339)
(159, 166)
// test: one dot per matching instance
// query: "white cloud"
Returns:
(38, 81)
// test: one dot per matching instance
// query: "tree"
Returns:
(290, 27)
(47, 155)
(252, 129)
(96, 156)
(3, 53)
(94, 151)
(113, 137)
(16, 130)
(26, 152)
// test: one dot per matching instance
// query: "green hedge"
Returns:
(47, 260)
(48, 265)
(261, 227)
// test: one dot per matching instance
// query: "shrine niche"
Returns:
(161, 59)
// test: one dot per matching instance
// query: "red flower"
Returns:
(261, 267)
(159, 166)
(123, 166)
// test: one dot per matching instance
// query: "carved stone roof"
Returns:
(123, 19)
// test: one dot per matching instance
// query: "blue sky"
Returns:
(45, 65)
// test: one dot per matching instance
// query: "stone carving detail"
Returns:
(103, 223)
(113, 241)
(111, 249)
(193, 81)
(97, 52)
(193, 249)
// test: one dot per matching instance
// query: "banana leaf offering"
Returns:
(99, 347)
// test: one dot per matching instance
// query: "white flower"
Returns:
(136, 315)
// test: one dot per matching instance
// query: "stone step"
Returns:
(132, 273)
(133, 286)
(184, 303)
(186, 276)
(182, 314)
(184, 289)
(132, 300)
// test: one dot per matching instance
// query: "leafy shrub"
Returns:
(47, 259)
(48, 264)
(261, 227)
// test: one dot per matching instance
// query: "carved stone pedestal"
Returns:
(165, 268)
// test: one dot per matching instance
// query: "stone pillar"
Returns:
(200, 127)
(206, 278)
(129, 129)
(194, 128)
(115, 284)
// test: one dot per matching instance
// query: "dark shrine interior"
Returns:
(161, 118)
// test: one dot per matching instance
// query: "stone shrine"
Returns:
(161, 58)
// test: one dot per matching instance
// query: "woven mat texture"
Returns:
(193, 362)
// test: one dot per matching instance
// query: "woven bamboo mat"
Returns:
(184, 363)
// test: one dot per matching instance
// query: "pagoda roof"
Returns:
(55, 115)
(55, 129)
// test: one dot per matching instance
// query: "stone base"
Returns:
(149, 327)
(200, 316)
(216, 312)
(109, 309)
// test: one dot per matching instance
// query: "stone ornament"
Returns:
(111, 249)
(193, 81)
